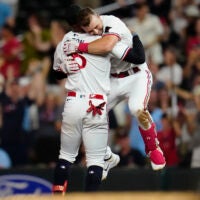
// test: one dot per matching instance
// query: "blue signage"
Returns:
(23, 184)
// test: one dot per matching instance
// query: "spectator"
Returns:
(193, 42)
(36, 41)
(190, 71)
(49, 129)
(171, 72)
(13, 136)
(167, 137)
(187, 119)
(10, 53)
(150, 30)
(6, 15)
(129, 157)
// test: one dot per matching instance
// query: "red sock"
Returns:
(149, 137)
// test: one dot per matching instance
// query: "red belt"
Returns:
(90, 96)
(133, 70)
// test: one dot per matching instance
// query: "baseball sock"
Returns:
(61, 175)
(150, 138)
(93, 178)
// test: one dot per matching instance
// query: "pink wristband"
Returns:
(83, 47)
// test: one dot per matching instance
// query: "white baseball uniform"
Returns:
(92, 83)
(127, 80)
(133, 82)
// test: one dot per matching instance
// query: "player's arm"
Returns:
(100, 46)
(103, 45)
(135, 55)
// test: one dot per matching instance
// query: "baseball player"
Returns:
(84, 115)
(127, 80)
(85, 112)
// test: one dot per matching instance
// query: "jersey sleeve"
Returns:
(57, 58)
(114, 26)
(135, 55)
(59, 75)
(120, 50)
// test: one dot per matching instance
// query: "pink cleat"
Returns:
(157, 159)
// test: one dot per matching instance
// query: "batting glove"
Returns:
(69, 66)
(70, 47)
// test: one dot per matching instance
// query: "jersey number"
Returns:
(80, 60)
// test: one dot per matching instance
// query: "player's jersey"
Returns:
(114, 26)
(95, 70)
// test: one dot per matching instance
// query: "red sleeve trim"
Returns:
(115, 34)
(125, 53)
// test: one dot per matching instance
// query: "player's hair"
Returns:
(84, 17)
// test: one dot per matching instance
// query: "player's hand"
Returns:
(70, 47)
(69, 66)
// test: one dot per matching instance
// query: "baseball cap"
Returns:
(72, 14)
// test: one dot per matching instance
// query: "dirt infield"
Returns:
(112, 196)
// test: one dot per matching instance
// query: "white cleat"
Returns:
(109, 164)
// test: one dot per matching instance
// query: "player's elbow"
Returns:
(108, 48)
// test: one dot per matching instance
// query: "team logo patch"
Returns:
(23, 184)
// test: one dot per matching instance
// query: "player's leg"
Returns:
(138, 101)
(111, 159)
(70, 142)
(95, 138)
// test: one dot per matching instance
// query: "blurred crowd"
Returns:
(31, 99)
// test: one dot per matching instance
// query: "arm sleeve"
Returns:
(59, 75)
(136, 54)
(57, 58)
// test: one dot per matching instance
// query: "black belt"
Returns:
(131, 71)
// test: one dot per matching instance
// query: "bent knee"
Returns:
(134, 109)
